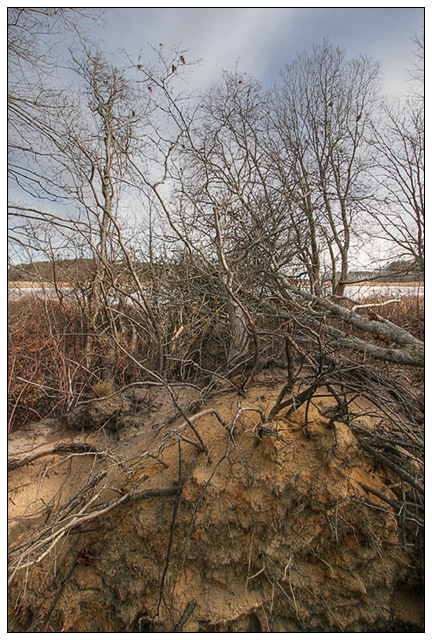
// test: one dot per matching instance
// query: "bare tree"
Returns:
(82, 145)
(399, 141)
(322, 115)
(204, 156)
(235, 193)
(35, 48)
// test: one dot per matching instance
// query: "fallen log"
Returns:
(411, 349)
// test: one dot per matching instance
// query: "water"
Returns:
(15, 293)
(354, 291)
(359, 291)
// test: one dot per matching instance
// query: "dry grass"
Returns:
(409, 314)
(42, 341)
(102, 389)
(48, 364)
(55, 358)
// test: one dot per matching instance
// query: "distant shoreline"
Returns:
(23, 284)
(384, 284)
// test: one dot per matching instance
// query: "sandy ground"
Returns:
(266, 530)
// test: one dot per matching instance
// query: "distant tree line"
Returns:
(81, 269)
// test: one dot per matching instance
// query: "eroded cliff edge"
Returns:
(275, 527)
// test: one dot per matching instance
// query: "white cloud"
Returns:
(217, 37)
(264, 39)
(244, 34)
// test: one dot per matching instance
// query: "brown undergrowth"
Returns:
(52, 366)
(56, 356)
(280, 524)
(407, 312)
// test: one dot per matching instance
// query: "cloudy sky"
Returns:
(264, 39)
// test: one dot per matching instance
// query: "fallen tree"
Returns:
(409, 352)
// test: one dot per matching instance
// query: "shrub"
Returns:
(102, 388)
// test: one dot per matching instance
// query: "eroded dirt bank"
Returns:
(135, 528)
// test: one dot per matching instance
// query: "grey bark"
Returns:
(411, 351)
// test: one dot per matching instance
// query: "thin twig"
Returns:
(62, 447)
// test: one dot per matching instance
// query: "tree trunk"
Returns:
(411, 351)
(239, 337)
